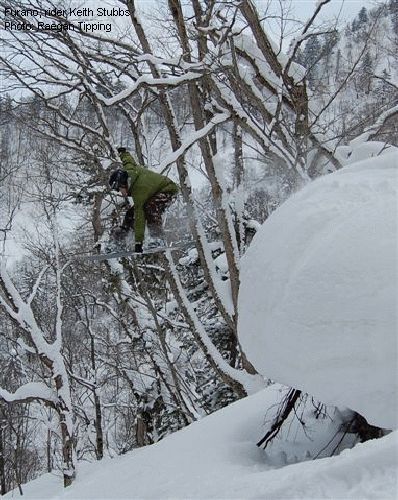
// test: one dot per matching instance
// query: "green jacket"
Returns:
(144, 184)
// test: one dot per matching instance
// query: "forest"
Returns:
(242, 104)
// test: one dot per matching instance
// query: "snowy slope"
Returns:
(217, 458)
(318, 297)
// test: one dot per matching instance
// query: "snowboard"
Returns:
(129, 253)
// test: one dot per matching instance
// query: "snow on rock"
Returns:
(318, 296)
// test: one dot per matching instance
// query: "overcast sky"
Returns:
(342, 11)
(347, 9)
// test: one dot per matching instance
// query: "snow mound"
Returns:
(217, 458)
(318, 296)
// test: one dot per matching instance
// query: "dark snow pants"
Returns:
(154, 209)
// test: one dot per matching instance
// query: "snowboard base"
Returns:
(129, 253)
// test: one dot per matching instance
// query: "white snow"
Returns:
(318, 297)
(222, 264)
(357, 151)
(217, 458)
(193, 138)
(247, 44)
(35, 390)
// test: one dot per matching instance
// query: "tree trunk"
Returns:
(99, 436)
(48, 451)
(2, 461)
(300, 102)
(96, 219)
(140, 431)
(68, 468)
(238, 187)
(65, 419)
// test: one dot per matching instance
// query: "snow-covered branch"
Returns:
(216, 119)
(372, 131)
(32, 391)
(240, 381)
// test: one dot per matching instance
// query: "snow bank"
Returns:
(355, 151)
(217, 458)
(318, 297)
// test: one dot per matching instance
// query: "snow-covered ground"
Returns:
(319, 288)
(217, 458)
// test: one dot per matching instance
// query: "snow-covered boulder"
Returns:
(318, 296)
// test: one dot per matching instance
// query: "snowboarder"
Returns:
(152, 193)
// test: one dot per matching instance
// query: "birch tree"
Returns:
(55, 392)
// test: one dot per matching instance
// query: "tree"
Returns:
(49, 354)
(311, 55)
(393, 9)
(365, 73)
(362, 17)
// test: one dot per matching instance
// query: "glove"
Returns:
(121, 150)
(138, 248)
